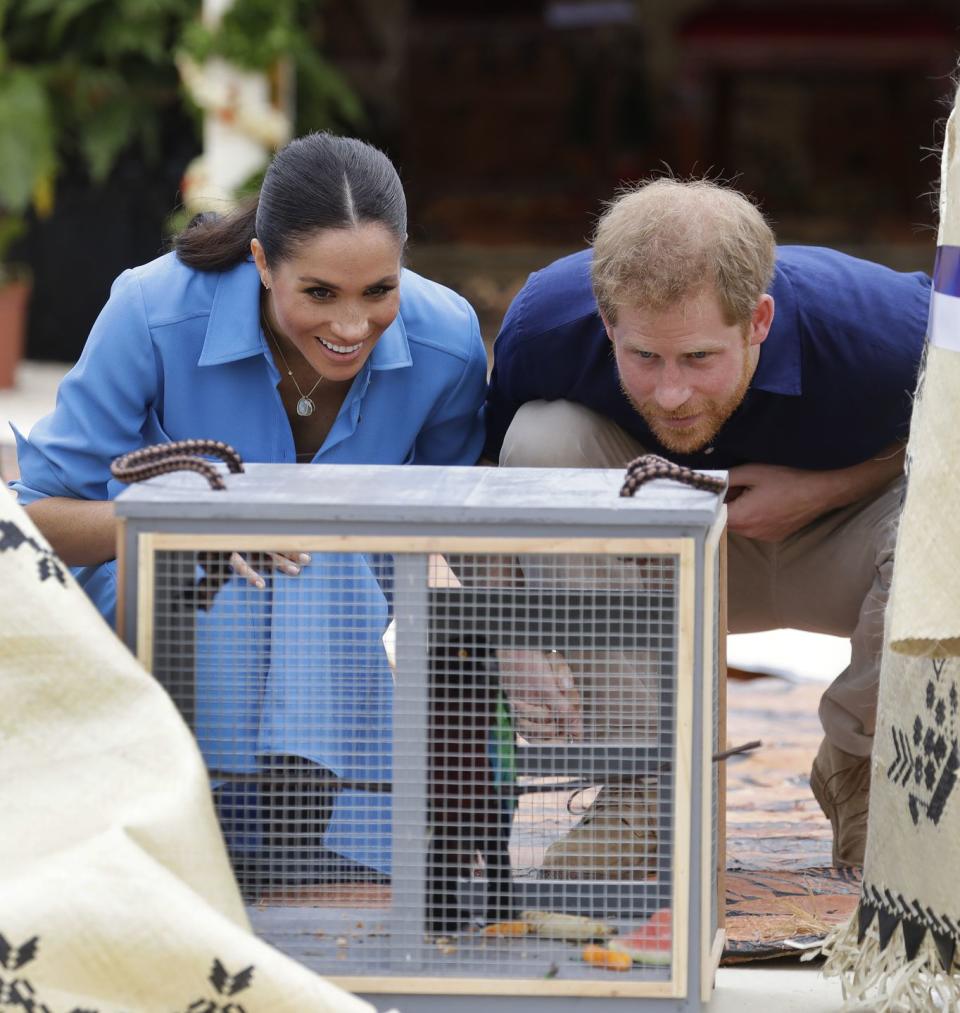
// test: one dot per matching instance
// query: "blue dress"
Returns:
(178, 353)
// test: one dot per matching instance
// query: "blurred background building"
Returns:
(511, 121)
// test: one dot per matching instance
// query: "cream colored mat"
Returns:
(115, 889)
(924, 617)
(901, 950)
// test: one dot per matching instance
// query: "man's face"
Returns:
(684, 369)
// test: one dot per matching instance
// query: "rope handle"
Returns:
(650, 466)
(180, 455)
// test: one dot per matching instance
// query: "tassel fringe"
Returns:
(883, 980)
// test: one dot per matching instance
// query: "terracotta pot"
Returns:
(13, 321)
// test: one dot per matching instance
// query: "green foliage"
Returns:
(252, 33)
(324, 97)
(27, 152)
(258, 33)
(11, 228)
(106, 71)
(82, 81)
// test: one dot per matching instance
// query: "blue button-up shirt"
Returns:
(179, 354)
(833, 384)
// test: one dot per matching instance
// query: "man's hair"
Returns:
(665, 240)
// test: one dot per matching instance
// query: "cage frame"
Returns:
(701, 559)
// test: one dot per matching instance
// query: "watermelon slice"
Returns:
(651, 942)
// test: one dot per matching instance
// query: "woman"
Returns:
(291, 331)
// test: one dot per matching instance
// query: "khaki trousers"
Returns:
(833, 576)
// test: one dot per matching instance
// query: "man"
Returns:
(686, 332)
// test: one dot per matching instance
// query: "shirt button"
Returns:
(709, 450)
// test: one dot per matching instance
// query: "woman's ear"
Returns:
(260, 259)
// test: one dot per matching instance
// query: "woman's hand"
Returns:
(252, 567)
(217, 567)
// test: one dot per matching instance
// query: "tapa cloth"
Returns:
(899, 951)
(900, 947)
(924, 616)
(115, 889)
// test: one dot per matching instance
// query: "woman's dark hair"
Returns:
(316, 182)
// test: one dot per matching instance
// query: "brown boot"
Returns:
(841, 784)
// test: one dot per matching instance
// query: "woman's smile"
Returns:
(339, 352)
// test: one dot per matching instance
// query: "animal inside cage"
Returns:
(467, 748)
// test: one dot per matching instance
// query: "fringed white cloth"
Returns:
(883, 979)
(115, 889)
(899, 951)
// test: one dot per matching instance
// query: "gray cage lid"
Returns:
(419, 493)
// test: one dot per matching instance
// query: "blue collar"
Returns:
(779, 367)
(233, 328)
(392, 351)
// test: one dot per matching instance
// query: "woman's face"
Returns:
(334, 296)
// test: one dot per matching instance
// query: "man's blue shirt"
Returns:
(833, 384)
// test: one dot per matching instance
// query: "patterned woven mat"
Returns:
(782, 894)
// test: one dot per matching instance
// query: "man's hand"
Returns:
(769, 502)
(543, 697)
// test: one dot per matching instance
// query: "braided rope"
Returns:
(181, 455)
(650, 466)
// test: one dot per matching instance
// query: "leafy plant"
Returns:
(256, 34)
(82, 81)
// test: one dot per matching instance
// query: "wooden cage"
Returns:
(405, 810)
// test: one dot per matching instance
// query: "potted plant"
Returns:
(27, 164)
(14, 294)
(82, 83)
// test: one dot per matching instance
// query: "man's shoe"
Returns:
(841, 784)
(615, 839)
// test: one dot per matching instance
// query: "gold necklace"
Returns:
(305, 405)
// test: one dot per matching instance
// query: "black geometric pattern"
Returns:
(14, 957)
(48, 565)
(226, 984)
(893, 909)
(927, 757)
(18, 993)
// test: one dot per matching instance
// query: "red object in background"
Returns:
(652, 942)
(13, 315)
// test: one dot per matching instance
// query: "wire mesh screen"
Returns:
(437, 764)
